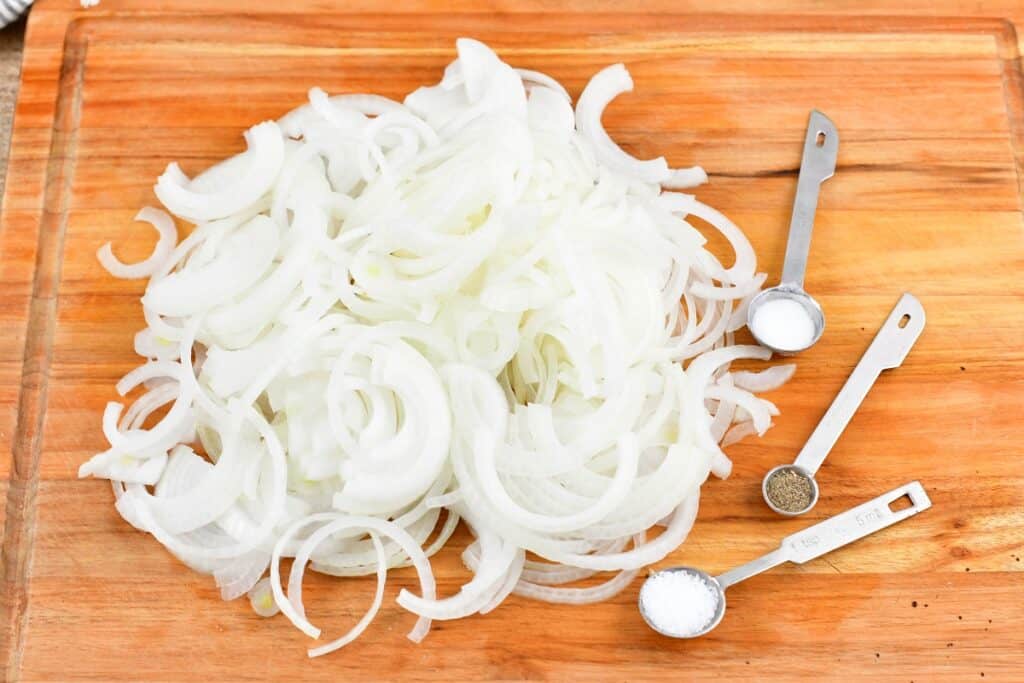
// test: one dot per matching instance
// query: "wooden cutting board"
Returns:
(926, 198)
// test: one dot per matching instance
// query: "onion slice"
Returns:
(167, 236)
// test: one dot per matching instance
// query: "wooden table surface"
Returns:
(928, 98)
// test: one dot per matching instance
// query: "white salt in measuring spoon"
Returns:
(785, 318)
(890, 346)
(803, 546)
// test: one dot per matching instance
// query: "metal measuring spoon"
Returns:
(806, 545)
(890, 346)
(818, 164)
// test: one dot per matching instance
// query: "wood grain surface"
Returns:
(928, 99)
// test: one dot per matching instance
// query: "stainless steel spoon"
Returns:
(818, 165)
(806, 545)
(890, 346)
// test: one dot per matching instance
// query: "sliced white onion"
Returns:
(768, 379)
(539, 78)
(167, 236)
(364, 622)
(291, 605)
(264, 157)
(738, 432)
(472, 305)
(605, 86)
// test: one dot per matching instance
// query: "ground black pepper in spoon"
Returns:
(789, 490)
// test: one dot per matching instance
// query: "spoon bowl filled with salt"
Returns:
(684, 602)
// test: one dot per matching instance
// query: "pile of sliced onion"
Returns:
(390, 317)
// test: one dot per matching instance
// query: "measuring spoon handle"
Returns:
(821, 144)
(890, 346)
(854, 524)
(835, 532)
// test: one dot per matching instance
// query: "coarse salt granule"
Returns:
(678, 603)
